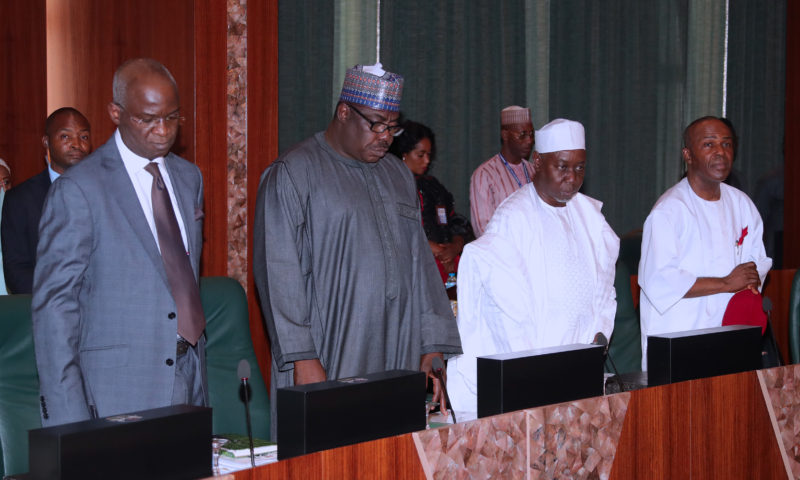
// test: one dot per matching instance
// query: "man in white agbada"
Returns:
(702, 241)
(542, 274)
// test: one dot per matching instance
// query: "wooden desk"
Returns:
(721, 427)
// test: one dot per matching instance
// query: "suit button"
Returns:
(170, 361)
(171, 315)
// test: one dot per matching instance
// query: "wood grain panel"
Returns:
(262, 138)
(393, 458)
(730, 429)
(654, 444)
(94, 37)
(791, 199)
(210, 90)
(23, 87)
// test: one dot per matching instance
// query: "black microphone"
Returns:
(766, 304)
(438, 366)
(243, 372)
(600, 339)
(770, 353)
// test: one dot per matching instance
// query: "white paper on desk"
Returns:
(230, 465)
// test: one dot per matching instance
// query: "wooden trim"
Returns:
(210, 121)
(262, 139)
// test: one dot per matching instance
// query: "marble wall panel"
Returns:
(237, 140)
(570, 440)
(576, 440)
(781, 387)
(492, 447)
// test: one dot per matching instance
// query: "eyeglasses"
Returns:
(522, 135)
(149, 121)
(378, 127)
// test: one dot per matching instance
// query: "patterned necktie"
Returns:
(182, 283)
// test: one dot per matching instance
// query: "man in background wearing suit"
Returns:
(117, 320)
(67, 140)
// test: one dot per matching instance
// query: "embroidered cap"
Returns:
(372, 86)
(560, 134)
(515, 115)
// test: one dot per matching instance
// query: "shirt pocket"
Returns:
(409, 211)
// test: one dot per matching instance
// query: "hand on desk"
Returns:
(308, 371)
(426, 365)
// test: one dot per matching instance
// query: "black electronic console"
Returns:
(680, 356)
(162, 443)
(324, 415)
(513, 381)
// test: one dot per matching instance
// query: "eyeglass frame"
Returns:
(151, 123)
(520, 136)
(398, 129)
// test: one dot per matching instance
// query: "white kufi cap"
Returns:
(560, 134)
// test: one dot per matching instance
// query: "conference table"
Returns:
(740, 426)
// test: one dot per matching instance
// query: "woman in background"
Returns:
(446, 230)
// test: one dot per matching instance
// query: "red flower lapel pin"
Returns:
(741, 237)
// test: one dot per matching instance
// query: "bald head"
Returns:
(145, 108)
(134, 71)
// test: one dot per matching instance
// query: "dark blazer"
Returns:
(19, 231)
(104, 322)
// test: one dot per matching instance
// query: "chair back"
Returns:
(625, 347)
(794, 319)
(228, 340)
(19, 382)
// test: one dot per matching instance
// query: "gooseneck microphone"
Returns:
(438, 366)
(243, 372)
(600, 339)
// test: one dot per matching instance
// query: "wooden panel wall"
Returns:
(89, 39)
(211, 126)
(23, 87)
(262, 138)
(791, 202)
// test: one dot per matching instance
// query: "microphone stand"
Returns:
(249, 426)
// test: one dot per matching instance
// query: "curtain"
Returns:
(619, 67)
(633, 72)
(354, 40)
(756, 86)
(463, 62)
(305, 69)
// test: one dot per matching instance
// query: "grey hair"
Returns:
(128, 71)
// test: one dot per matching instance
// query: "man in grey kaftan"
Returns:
(346, 278)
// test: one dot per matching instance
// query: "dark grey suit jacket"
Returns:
(104, 320)
(19, 231)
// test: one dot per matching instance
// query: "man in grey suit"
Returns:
(115, 328)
